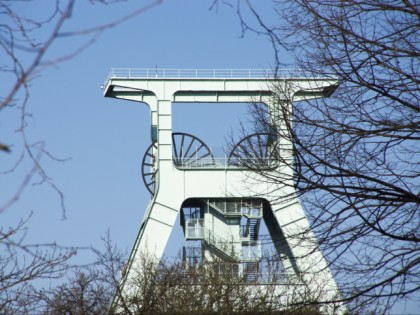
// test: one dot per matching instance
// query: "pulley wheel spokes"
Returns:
(190, 151)
(149, 168)
(253, 151)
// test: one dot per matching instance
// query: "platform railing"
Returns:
(222, 243)
(194, 229)
(249, 208)
(203, 73)
(156, 73)
(221, 162)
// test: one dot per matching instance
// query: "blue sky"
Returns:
(104, 139)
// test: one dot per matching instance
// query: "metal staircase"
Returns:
(251, 271)
(225, 247)
(221, 240)
(252, 228)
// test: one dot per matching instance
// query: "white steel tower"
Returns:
(221, 203)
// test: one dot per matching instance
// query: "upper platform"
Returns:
(140, 73)
(212, 85)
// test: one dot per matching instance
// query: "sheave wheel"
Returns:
(190, 151)
(149, 168)
(253, 151)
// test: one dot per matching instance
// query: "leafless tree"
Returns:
(168, 288)
(85, 292)
(172, 287)
(356, 155)
(70, 289)
(21, 264)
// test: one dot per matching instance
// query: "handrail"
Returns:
(148, 73)
(248, 208)
(223, 208)
(221, 243)
(268, 74)
(250, 250)
(194, 228)
(223, 162)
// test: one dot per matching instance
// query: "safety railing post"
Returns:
(205, 73)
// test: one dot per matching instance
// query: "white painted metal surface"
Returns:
(174, 184)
